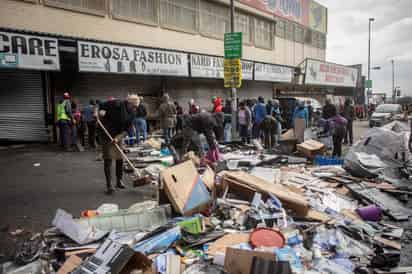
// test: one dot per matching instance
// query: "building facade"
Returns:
(102, 48)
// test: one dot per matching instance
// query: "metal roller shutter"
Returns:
(22, 109)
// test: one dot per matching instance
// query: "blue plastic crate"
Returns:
(327, 161)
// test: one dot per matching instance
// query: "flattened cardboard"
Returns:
(311, 148)
(70, 264)
(185, 189)
(239, 261)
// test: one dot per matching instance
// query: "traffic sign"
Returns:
(232, 73)
(233, 45)
(368, 84)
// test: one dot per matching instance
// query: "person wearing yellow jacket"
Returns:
(64, 121)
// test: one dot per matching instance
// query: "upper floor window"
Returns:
(243, 23)
(179, 14)
(144, 11)
(214, 19)
(280, 28)
(290, 31)
(96, 7)
(263, 33)
(299, 34)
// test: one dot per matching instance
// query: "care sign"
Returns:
(205, 66)
(28, 52)
(273, 73)
(98, 57)
(328, 74)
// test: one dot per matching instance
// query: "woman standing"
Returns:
(244, 122)
(300, 121)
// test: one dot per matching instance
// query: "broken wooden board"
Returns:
(220, 245)
(388, 243)
(290, 199)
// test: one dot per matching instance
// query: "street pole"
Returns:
(393, 81)
(369, 60)
(234, 91)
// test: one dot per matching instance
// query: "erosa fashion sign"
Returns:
(328, 74)
(98, 57)
(28, 52)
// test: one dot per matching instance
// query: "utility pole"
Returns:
(393, 81)
(234, 91)
(369, 60)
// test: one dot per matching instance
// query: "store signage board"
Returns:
(99, 57)
(28, 52)
(205, 66)
(232, 73)
(273, 73)
(328, 74)
(233, 45)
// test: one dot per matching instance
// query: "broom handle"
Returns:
(118, 147)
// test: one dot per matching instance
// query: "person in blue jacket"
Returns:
(300, 121)
(259, 112)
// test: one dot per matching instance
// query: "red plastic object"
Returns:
(267, 237)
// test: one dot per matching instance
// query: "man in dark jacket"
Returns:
(140, 123)
(209, 124)
(269, 127)
(117, 117)
(328, 110)
(349, 115)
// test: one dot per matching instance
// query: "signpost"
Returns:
(368, 84)
(233, 73)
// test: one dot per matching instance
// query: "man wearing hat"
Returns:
(64, 121)
(117, 117)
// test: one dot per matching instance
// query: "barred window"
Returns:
(308, 36)
(299, 34)
(96, 7)
(179, 14)
(214, 19)
(263, 33)
(315, 39)
(243, 23)
(136, 10)
(290, 31)
(280, 28)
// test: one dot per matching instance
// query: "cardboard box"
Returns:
(185, 189)
(311, 148)
(69, 265)
(239, 261)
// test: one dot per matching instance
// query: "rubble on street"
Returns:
(253, 212)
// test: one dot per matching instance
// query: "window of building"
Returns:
(179, 14)
(280, 28)
(243, 23)
(308, 36)
(263, 33)
(96, 7)
(299, 34)
(323, 41)
(290, 31)
(214, 19)
(136, 10)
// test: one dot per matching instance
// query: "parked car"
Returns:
(384, 114)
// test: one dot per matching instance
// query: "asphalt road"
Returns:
(30, 194)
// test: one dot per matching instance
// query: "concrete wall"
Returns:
(34, 17)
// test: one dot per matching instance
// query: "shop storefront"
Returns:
(24, 62)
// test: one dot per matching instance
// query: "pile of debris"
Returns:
(252, 213)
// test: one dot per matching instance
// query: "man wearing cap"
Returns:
(64, 121)
(117, 117)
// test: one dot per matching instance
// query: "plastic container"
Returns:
(371, 213)
(267, 237)
(327, 161)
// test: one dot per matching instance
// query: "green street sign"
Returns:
(368, 84)
(233, 45)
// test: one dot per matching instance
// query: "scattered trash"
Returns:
(36, 164)
(253, 211)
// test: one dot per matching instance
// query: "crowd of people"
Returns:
(182, 127)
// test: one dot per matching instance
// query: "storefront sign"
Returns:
(28, 52)
(273, 73)
(205, 66)
(294, 10)
(98, 57)
(328, 74)
(317, 17)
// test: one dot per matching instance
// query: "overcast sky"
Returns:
(391, 39)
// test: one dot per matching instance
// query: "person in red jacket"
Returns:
(218, 107)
